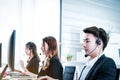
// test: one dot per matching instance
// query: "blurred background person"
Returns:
(32, 66)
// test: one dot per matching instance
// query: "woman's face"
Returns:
(27, 51)
(44, 48)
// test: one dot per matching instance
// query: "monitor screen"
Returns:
(11, 51)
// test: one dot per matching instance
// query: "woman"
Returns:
(52, 65)
(32, 67)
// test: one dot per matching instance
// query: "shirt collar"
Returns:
(92, 61)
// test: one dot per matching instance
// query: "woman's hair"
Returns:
(100, 33)
(31, 46)
(52, 49)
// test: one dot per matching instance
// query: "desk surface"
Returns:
(19, 78)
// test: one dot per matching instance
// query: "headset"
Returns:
(97, 42)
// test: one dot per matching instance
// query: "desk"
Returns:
(19, 78)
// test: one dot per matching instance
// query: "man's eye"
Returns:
(87, 41)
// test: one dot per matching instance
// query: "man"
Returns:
(98, 67)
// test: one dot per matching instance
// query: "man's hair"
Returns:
(100, 33)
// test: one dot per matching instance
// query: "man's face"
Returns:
(89, 43)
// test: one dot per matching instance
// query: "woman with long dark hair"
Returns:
(51, 65)
(32, 67)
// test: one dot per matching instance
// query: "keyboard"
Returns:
(19, 76)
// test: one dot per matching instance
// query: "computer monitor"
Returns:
(11, 51)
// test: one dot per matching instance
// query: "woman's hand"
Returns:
(22, 64)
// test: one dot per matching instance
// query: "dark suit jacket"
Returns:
(33, 65)
(103, 69)
(54, 70)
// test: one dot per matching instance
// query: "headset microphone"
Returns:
(86, 55)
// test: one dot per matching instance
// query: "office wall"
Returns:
(9, 20)
(78, 14)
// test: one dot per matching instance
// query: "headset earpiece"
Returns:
(98, 41)
(98, 38)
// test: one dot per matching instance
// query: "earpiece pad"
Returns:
(98, 41)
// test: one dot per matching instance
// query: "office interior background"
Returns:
(63, 19)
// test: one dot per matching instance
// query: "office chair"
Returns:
(69, 73)
(118, 72)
